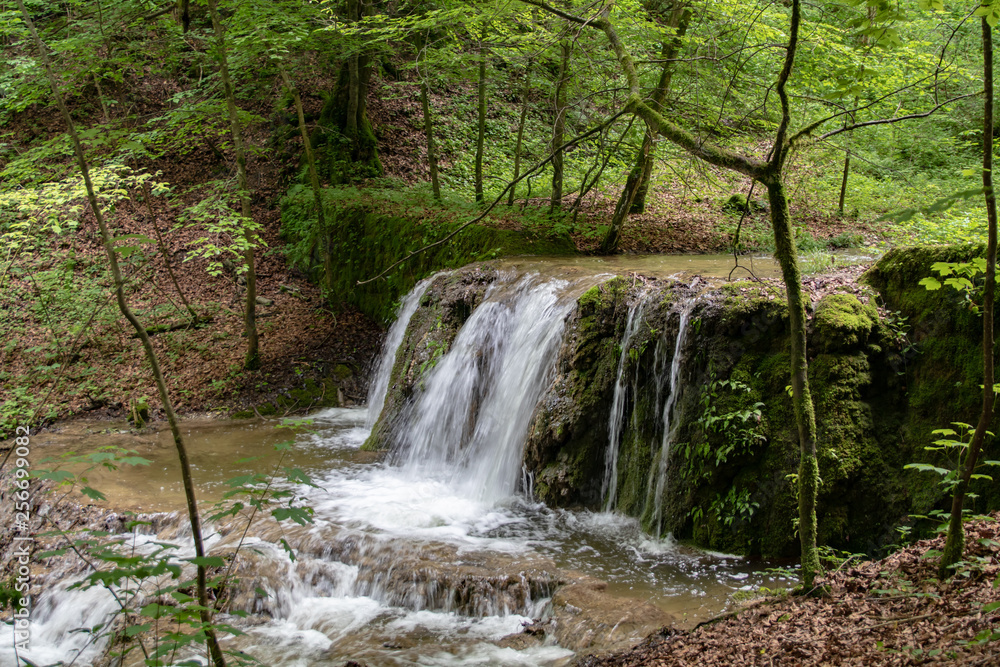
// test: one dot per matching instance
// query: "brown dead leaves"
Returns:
(888, 612)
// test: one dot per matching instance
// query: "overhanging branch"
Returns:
(533, 169)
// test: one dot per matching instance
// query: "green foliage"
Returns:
(148, 580)
(735, 506)
(227, 235)
(963, 277)
(723, 434)
(952, 446)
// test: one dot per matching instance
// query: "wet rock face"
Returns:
(565, 447)
(448, 302)
(722, 477)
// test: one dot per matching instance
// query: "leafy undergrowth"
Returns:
(888, 612)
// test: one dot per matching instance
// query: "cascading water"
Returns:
(616, 422)
(470, 421)
(383, 372)
(433, 558)
(669, 422)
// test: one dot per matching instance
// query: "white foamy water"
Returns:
(433, 557)
(383, 371)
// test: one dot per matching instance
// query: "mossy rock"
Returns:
(366, 240)
(139, 413)
(841, 322)
(445, 306)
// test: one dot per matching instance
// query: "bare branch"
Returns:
(535, 168)
(897, 119)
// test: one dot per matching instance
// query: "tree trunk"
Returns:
(353, 91)
(609, 244)
(633, 196)
(559, 130)
(847, 168)
(679, 19)
(184, 7)
(322, 232)
(805, 418)
(520, 135)
(252, 361)
(955, 543)
(843, 183)
(431, 151)
(215, 651)
(481, 131)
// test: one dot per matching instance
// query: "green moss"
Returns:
(365, 240)
(139, 413)
(841, 322)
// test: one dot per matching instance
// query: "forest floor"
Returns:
(893, 611)
(305, 337)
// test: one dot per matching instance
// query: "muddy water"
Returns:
(218, 450)
(410, 527)
(664, 266)
(436, 557)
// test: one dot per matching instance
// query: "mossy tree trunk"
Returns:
(559, 128)
(252, 360)
(322, 230)
(802, 404)
(354, 153)
(679, 19)
(633, 197)
(205, 611)
(955, 542)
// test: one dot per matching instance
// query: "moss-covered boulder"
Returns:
(712, 457)
(841, 322)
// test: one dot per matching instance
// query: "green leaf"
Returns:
(133, 630)
(930, 283)
(55, 475)
(156, 611)
(300, 515)
(925, 467)
(93, 493)
(288, 550)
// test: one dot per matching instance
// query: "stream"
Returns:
(433, 555)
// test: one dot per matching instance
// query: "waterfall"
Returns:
(616, 422)
(380, 380)
(472, 416)
(669, 421)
